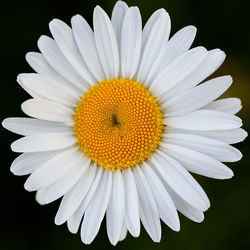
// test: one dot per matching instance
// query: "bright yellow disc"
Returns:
(118, 123)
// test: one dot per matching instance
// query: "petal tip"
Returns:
(13, 170)
(58, 220)
(5, 123)
(175, 225)
(76, 18)
(245, 134)
(19, 77)
(176, 228)
(14, 148)
(42, 40)
(29, 55)
(55, 21)
(98, 10)
(228, 175)
(27, 186)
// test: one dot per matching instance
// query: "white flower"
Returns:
(120, 120)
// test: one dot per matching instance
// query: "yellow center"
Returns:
(118, 123)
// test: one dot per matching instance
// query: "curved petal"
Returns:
(65, 41)
(57, 60)
(197, 162)
(96, 209)
(209, 65)
(131, 36)
(158, 18)
(49, 89)
(154, 36)
(196, 97)
(62, 186)
(164, 202)
(179, 179)
(177, 45)
(118, 14)
(30, 126)
(185, 208)
(178, 70)
(228, 105)
(106, 43)
(213, 148)
(72, 199)
(132, 218)
(116, 208)
(74, 221)
(229, 136)
(204, 120)
(27, 89)
(84, 37)
(43, 142)
(27, 163)
(148, 209)
(48, 110)
(52, 170)
(42, 67)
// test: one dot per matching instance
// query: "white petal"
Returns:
(49, 89)
(148, 209)
(178, 178)
(154, 21)
(178, 70)
(27, 163)
(155, 34)
(116, 208)
(42, 67)
(182, 206)
(132, 218)
(27, 89)
(197, 97)
(123, 233)
(186, 209)
(106, 43)
(43, 142)
(131, 36)
(96, 210)
(118, 14)
(52, 170)
(229, 136)
(93, 188)
(213, 148)
(210, 64)
(65, 41)
(29, 126)
(164, 202)
(74, 221)
(57, 60)
(48, 110)
(228, 105)
(85, 41)
(205, 120)
(197, 162)
(63, 185)
(72, 200)
(177, 45)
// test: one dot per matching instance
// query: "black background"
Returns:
(221, 24)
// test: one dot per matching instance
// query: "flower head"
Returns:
(120, 116)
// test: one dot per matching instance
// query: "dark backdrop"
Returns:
(221, 24)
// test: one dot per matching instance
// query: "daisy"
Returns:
(119, 119)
